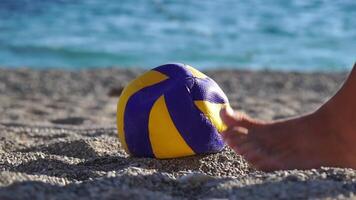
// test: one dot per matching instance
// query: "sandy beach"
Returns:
(58, 140)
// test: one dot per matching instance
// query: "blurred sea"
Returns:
(303, 35)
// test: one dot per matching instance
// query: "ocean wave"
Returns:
(296, 34)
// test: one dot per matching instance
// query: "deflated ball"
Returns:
(171, 111)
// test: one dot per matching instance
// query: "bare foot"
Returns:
(326, 137)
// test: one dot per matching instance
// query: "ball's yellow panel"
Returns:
(212, 112)
(166, 141)
(195, 73)
(147, 79)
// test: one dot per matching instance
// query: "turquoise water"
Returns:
(256, 34)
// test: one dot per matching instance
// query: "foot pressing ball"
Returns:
(171, 111)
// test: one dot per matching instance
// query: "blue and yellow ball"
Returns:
(171, 111)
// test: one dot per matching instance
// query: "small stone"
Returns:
(195, 178)
(115, 91)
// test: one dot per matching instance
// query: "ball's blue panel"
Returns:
(147, 79)
(195, 128)
(208, 90)
(136, 119)
(174, 71)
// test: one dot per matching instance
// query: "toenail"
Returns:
(241, 130)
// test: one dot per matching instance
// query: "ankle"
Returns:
(339, 115)
(337, 129)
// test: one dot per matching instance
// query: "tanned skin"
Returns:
(325, 137)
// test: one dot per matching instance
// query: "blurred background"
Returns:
(296, 35)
